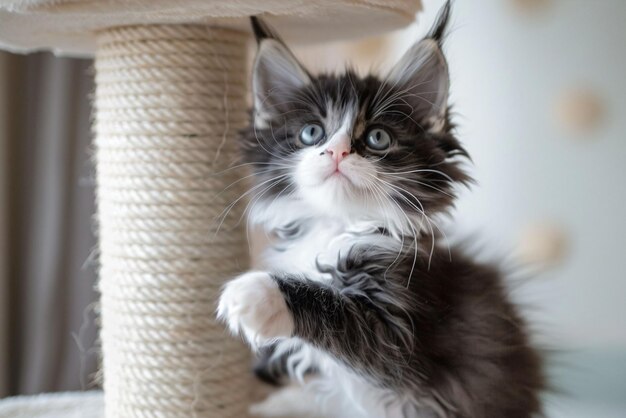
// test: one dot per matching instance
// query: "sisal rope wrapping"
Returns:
(169, 101)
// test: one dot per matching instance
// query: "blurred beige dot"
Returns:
(528, 7)
(364, 53)
(579, 110)
(542, 245)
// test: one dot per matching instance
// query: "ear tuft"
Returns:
(440, 27)
(261, 29)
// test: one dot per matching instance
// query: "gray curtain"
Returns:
(50, 274)
(4, 174)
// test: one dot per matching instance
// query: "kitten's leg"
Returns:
(362, 318)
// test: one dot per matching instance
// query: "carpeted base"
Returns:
(55, 405)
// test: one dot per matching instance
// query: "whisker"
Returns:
(227, 210)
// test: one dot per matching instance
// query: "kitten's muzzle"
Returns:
(338, 148)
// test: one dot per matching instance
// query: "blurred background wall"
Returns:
(539, 94)
(540, 90)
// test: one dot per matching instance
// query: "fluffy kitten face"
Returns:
(355, 147)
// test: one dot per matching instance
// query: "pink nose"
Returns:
(338, 151)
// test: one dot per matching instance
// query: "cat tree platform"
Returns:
(170, 98)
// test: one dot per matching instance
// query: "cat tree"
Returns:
(170, 99)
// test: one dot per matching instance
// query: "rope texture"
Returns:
(169, 101)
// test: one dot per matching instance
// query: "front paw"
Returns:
(254, 305)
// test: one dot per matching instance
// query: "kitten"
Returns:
(356, 294)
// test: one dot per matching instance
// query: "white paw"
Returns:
(254, 305)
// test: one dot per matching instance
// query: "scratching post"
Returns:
(169, 100)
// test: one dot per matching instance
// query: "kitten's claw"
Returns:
(254, 305)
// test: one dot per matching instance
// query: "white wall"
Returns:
(507, 71)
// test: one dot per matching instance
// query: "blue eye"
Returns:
(378, 139)
(311, 134)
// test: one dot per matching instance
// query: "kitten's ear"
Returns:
(423, 74)
(276, 73)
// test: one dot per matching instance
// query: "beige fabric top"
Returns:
(67, 26)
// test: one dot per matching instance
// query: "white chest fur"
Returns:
(298, 249)
(298, 241)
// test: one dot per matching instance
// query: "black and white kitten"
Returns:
(355, 294)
